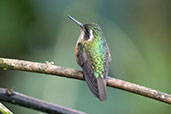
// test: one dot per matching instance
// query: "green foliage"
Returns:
(4, 110)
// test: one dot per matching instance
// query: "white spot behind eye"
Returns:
(91, 35)
(81, 37)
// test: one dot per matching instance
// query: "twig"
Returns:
(13, 97)
(48, 68)
(4, 110)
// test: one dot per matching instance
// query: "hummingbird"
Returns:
(93, 55)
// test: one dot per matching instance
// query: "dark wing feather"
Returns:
(96, 85)
(90, 78)
(107, 61)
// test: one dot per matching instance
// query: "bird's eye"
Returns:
(87, 34)
(87, 31)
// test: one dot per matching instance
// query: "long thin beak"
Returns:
(80, 24)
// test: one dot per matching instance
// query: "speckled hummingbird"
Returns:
(92, 54)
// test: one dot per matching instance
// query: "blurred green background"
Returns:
(139, 38)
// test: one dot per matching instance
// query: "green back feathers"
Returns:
(96, 51)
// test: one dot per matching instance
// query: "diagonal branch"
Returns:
(10, 96)
(48, 68)
(4, 110)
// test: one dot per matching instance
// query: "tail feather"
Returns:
(97, 86)
(101, 89)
